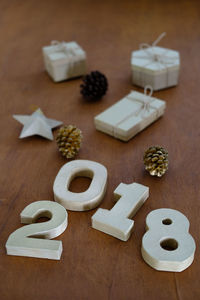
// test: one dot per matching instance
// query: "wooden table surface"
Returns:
(95, 265)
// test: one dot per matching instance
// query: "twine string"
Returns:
(148, 91)
(146, 101)
(163, 59)
(143, 46)
(62, 47)
(159, 38)
(68, 52)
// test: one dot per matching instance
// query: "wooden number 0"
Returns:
(30, 240)
(167, 245)
(80, 201)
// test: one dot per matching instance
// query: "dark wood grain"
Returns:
(95, 265)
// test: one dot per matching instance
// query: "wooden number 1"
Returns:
(30, 240)
(116, 221)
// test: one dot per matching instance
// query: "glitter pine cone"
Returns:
(69, 140)
(156, 161)
(94, 86)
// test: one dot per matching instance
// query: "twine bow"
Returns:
(160, 58)
(146, 104)
(146, 101)
(145, 45)
(68, 52)
(61, 45)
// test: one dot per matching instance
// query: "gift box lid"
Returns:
(127, 113)
(61, 53)
(155, 59)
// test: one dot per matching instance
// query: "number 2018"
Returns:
(167, 244)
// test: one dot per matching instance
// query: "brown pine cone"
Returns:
(156, 161)
(69, 140)
(94, 86)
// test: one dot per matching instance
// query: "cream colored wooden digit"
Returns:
(116, 221)
(88, 199)
(30, 240)
(167, 245)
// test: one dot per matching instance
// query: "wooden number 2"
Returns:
(167, 245)
(30, 240)
(115, 221)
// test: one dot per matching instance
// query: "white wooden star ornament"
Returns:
(37, 124)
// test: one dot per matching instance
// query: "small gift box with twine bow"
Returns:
(155, 66)
(64, 60)
(130, 115)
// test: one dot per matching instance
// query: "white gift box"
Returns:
(130, 115)
(64, 60)
(155, 66)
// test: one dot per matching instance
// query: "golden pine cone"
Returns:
(156, 161)
(69, 140)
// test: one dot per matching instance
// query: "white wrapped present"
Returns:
(130, 115)
(64, 60)
(155, 66)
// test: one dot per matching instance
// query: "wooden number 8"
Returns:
(30, 240)
(167, 245)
